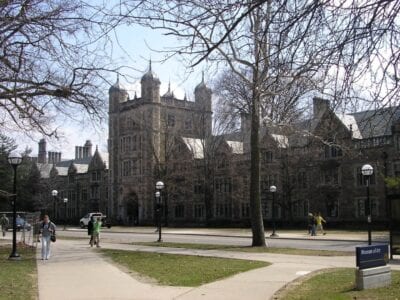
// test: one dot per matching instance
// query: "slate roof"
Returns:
(374, 123)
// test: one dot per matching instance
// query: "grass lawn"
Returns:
(181, 270)
(338, 284)
(18, 279)
(292, 251)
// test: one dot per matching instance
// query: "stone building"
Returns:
(315, 164)
(142, 138)
(82, 180)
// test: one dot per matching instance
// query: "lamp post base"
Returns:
(14, 256)
(274, 235)
(159, 241)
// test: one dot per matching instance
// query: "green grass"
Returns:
(339, 284)
(18, 279)
(181, 270)
(290, 251)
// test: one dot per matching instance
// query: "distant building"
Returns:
(82, 180)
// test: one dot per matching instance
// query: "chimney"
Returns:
(319, 106)
(88, 148)
(42, 153)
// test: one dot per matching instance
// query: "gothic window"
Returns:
(302, 180)
(223, 185)
(267, 156)
(134, 143)
(188, 124)
(179, 211)
(171, 120)
(198, 187)
(362, 209)
(199, 211)
(396, 169)
(127, 167)
(245, 209)
(332, 151)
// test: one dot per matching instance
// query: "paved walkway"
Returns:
(77, 272)
(335, 235)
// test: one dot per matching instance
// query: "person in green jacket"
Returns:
(96, 233)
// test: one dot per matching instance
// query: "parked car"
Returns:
(85, 220)
(21, 224)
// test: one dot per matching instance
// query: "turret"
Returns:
(117, 94)
(202, 96)
(150, 86)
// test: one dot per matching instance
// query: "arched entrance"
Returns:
(132, 209)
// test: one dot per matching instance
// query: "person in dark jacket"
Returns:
(90, 229)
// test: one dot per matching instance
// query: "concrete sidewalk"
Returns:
(78, 272)
(331, 235)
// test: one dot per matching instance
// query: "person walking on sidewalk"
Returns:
(310, 223)
(47, 230)
(319, 219)
(90, 229)
(4, 223)
(96, 233)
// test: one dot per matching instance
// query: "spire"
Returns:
(185, 97)
(117, 78)
(169, 85)
(150, 65)
(135, 96)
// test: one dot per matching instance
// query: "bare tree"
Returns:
(52, 58)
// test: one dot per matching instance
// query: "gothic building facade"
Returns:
(315, 164)
(82, 181)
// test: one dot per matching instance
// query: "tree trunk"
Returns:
(257, 225)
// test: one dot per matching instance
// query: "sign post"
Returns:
(372, 270)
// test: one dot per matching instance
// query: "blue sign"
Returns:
(372, 256)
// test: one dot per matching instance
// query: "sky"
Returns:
(133, 47)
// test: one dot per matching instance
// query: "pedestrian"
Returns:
(310, 223)
(48, 232)
(4, 224)
(319, 220)
(314, 225)
(36, 229)
(96, 233)
(90, 229)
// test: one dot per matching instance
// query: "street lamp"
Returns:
(367, 170)
(159, 187)
(272, 189)
(158, 211)
(54, 193)
(65, 212)
(14, 161)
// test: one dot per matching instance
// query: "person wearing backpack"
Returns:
(48, 232)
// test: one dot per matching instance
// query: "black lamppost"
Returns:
(159, 187)
(158, 212)
(54, 193)
(272, 189)
(65, 212)
(367, 170)
(14, 161)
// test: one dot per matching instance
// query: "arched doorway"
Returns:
(132, 209)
